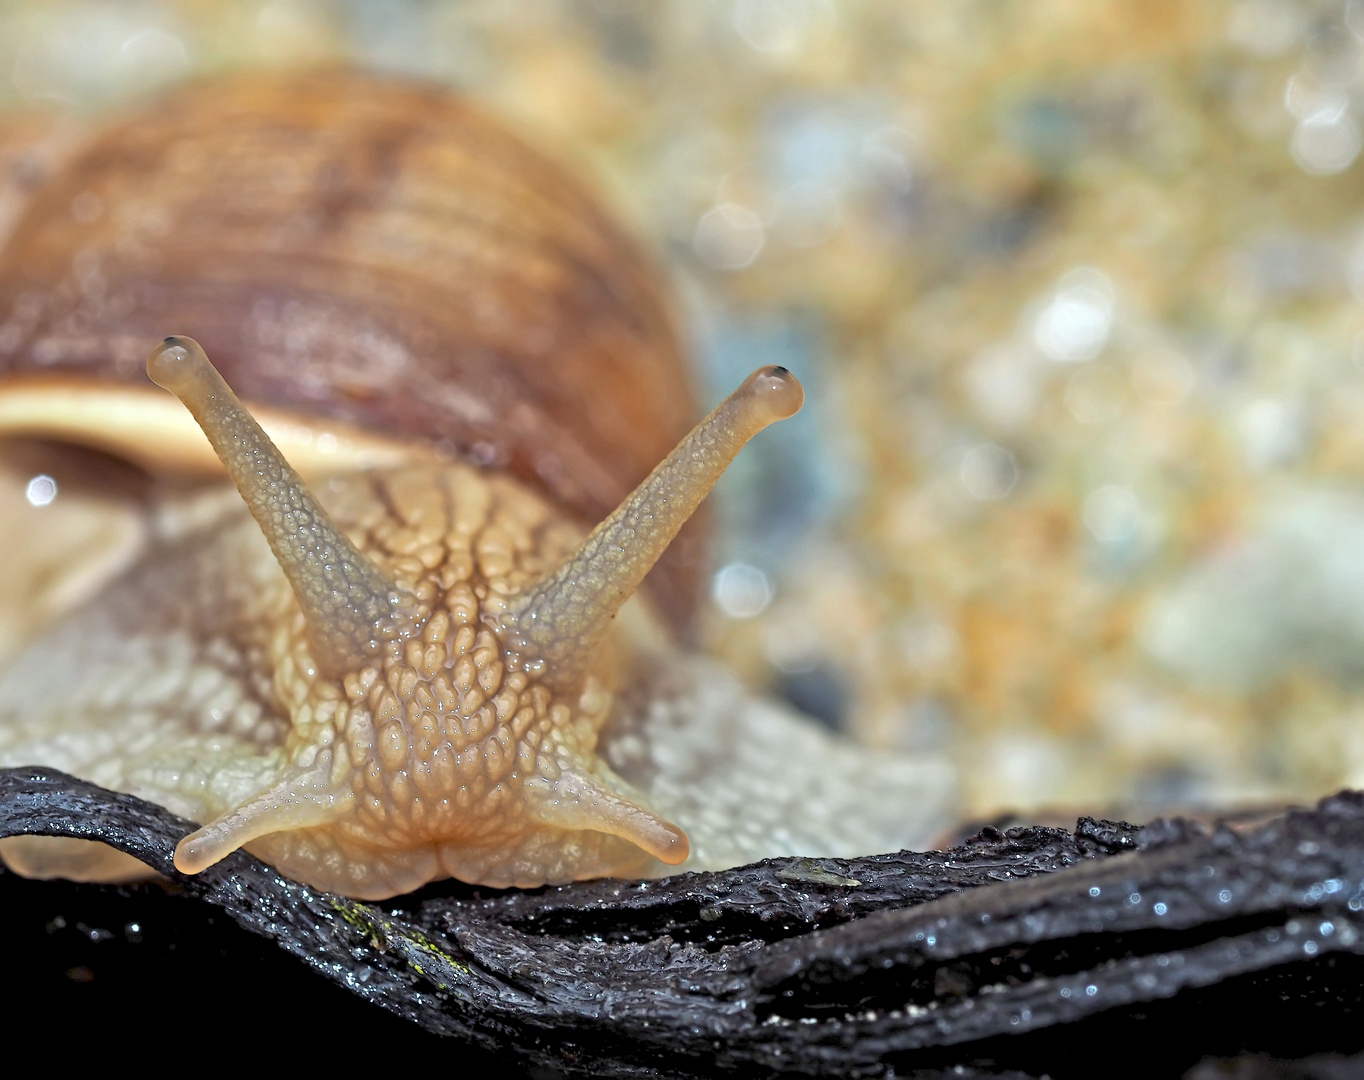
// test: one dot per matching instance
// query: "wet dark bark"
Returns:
(1017, 953)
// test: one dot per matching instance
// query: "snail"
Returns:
(389, 647)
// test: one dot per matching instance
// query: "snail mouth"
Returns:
(144, 426)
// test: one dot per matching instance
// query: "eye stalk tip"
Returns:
(174, 360)
(775, 391)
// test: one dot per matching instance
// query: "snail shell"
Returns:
(365, 251)
(409, 664)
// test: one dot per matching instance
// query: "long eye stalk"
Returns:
(561, 621)
(350, 607)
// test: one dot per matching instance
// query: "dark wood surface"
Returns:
(1166, 950)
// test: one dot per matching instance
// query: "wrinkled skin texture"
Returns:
(202, 706)
(198, 706)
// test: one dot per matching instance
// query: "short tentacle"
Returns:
(350, 607)
(579, 798)
(300, 799)
(561, 621)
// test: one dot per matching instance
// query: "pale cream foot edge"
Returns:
(47, 857)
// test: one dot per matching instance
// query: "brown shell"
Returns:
(368, 250)
(33, 145)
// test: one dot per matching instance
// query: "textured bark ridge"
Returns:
(1154, 945)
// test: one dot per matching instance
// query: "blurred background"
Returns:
(1075, 289)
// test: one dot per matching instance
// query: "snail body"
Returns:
(374, 663)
